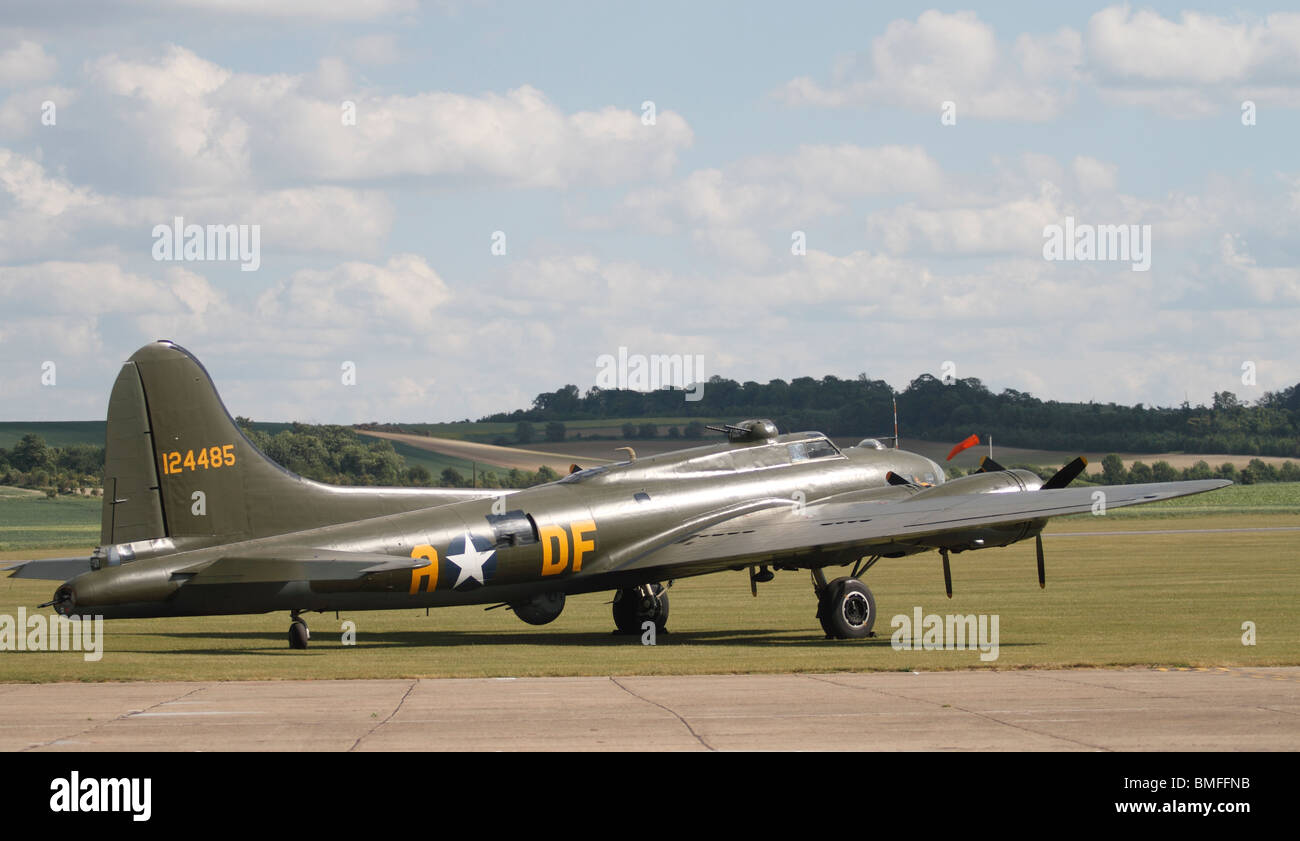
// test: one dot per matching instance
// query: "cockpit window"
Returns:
(581, 475)
(816, 448)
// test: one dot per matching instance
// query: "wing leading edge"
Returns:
(831, 527)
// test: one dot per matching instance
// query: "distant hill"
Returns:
(68, 433)
(55, 433)
(937, 410)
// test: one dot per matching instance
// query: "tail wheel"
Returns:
(847, 609)
(635, 606)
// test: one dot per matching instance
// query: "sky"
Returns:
(449, 207)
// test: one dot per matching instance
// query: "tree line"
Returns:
(336, 455)
(934, 409)
(339, 456)
(33, 464)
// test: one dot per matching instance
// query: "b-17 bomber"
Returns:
(197, 521)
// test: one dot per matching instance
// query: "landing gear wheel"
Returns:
(637, 605)
(298, 633)
(847, 609)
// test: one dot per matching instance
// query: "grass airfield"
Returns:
(1160, 600)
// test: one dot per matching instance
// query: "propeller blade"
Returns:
(753, 581)
(988, 465)
(947, 573)
(1042, 575)
(894, 479)
(1066, 474)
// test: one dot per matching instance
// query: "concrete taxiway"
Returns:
(1086, 709)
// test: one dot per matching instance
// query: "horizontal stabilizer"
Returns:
(49, 569)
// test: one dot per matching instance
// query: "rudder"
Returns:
(177, 466)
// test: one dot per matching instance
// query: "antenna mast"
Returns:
(895, 423)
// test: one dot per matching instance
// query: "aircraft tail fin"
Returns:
(177, 466)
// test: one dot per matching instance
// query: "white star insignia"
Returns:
(470, 561)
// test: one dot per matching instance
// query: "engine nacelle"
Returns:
(1001, 481)
(541, 608)
(103, 589)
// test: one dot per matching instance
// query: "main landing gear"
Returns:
(298, 633)
(634, 606)
(845, 607)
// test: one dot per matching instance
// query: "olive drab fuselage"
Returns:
(571, 536)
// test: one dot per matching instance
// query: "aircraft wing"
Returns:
(297, 565)
(289, 565)
(785, 532)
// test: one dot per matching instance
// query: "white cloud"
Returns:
(421, 352)
(1011, 226)
(34, 191)
(1197, 49)
(88, 316)
(178, 127)
(49, 215)
(952, 57)
(22, 113)
(199, 125)
(68, 287)
(724, 210)
(1186, 68)
(1094, 176)
(399, 297)
(1195, 66)
(1265, 286)
(83, 308)
(25, 63)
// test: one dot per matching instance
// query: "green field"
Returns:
(435, 463)
(55, 433)
(30, 521)
(1271, 498)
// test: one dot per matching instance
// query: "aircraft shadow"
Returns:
(768, 637)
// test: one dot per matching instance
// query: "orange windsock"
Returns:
(969, 442)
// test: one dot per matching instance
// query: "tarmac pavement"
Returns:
(1033, 709)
